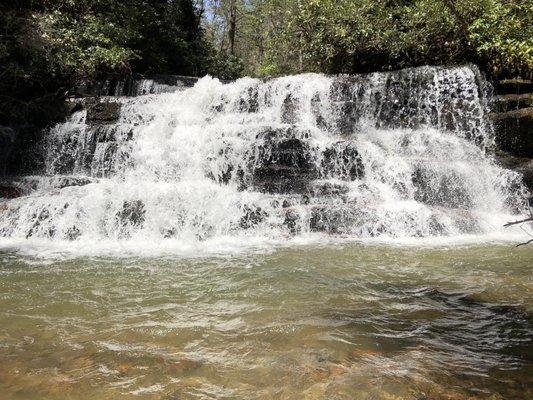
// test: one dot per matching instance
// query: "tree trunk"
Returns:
(232, 25)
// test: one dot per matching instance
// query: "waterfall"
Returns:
(382, 156)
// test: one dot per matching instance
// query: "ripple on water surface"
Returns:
(343, 322)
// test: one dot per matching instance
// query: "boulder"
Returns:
(103, 113)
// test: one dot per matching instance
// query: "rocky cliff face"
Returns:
(513, 119)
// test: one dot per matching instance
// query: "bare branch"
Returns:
(518, 222)
(523, 244)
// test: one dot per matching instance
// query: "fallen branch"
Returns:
(530, 206)
(518, 222)
(523, 244)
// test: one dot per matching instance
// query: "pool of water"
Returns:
(322, 322)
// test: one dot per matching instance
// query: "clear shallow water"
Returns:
(322, 322)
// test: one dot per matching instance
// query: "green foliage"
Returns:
(504, 36)
(225, 66)
(45, 46)
(84, 46)
(290, 36)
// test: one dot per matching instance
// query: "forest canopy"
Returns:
(288, 36)
(47, 45)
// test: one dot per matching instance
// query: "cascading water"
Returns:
(391, 156)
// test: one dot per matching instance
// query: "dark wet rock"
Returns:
(343, 161)
(514, 86)
(169, 232)
(332, 219)
(108, 161)
(318, 189)
(512, 102)
(132, 213)
(29, 184)
(291, 221)
(286, 203)
(344, 93)
(284, 166)
(72, 233)
(178, 81)
(526, 169)
(7, 142)
(274, 179)
(74, 106)
(289, 110)
(40, 218)
(514, 132)
(341, 89)
(10, 190)
(66, 181)
(435, 227)
(348, 118)
(466, 222)
(522, 165)
(252, 216)
(131, 85)
(445, 190)
(249, 101)
(90, 150)
(61, 157)
(283, 161)
(103, 112)
(317, 111)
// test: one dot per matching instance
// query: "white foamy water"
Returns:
(389, 157)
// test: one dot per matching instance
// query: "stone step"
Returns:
(514, 86)
(131, 85)
(514, 131)
(510, 102)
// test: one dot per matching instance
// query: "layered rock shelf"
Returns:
(513, 119)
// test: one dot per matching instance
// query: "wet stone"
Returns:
(291, 221)
(103, 113)
(285, 166)
(342, 160)
(132, 213)
(440, 190)
(289, 110)
(10, 191)
(252, 216)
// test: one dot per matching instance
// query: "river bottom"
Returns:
(323, 322)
